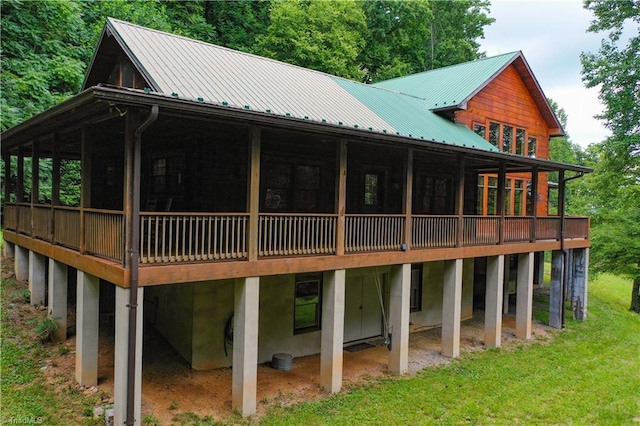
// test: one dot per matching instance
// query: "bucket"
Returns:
(282, 362)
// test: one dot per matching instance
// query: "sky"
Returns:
(551, 34)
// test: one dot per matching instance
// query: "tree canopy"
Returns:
(615, 69)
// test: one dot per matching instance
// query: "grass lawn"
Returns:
(588, 374)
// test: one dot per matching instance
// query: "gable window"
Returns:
(507, 138)
(532, 146)
(415, 295)
(307, 303)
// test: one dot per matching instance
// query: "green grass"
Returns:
(588, 374)
(26, 396)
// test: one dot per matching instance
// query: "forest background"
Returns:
(48, 45)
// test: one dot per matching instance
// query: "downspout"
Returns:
(135, 260)
(565, 254)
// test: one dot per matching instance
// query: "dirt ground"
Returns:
(171, 387)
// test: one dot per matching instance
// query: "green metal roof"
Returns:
(449, 87)
(190, 69)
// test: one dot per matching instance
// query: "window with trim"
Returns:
(508, 138)
(515, 199)
(415, 295)
(433, 194)
(307, 303)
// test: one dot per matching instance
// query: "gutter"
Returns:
(565, 253)
(135, 260)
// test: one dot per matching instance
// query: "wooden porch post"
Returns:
(55, 184)
(85, 188)
(253, 193)
(20, 173)
(502, 177)
(6, 157)
(341, 197)
(35, 178)
(408, 198)
(460, 200)
(534, 202)
(131, 123)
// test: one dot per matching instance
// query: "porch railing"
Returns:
(42, 222)
(296, 234)
(433, 231)
(24, 218)
(481, 230)
(11, 216)
(67, 226)
(373, 232)
(576, 227)
(517, 229)
(186, 237)
(104, 233)
(547, 228)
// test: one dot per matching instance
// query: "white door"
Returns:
(362, 315)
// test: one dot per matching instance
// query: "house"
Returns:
(245, 207)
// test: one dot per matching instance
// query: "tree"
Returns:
(321, 35)
(407, 37)
(237, 24)
(615, 68)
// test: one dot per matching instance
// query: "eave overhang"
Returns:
(111, 101)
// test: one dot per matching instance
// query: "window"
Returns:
(520, 134)
(292, 187)
(415, 295)
(533, 144)
(370, 189)
(518, 198)
(492, 201)
(433, 194)
(480, 205)
(507, 197)
(480, 129)
(167, 175)
(307, 305)
(515, 199)
(508, 138)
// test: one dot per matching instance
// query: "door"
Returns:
(362, 314)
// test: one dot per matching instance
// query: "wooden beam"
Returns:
(102, 268)
(35, 178)
(253, 193)
(341, 197)
(502, 177)
(460, 200)
(85, 187)
(534, 202)
(131, 123)
(6, 157)
(408, 198)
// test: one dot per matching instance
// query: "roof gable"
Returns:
(189, 69)
(450, 88)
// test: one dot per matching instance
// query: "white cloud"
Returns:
(551, 35)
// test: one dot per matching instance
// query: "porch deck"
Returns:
(167, 238)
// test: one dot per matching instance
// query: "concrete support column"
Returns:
(399, 318)
(333, 295)
(245, 345)
(21, 263)
(9, 249)
(493, 302)
(87, 315)
(37, 277)
(58, 298)
(580, 283)
(524, 296)
(555, 290)
(121, 358)
(451, 308)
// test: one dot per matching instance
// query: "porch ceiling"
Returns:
(102, 103)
